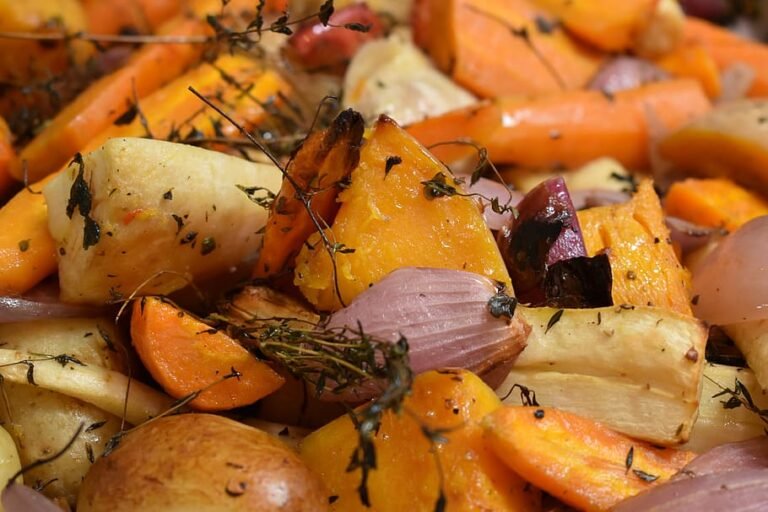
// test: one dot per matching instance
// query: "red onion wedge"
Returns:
(749, 454)
(20, 498)
(734, 491)
(444, 315)
(42, 302)
(489, 190)
(690, 236)
(731, 284)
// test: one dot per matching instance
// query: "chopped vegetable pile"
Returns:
(423, 255)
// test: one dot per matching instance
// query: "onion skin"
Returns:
(624, 73)
(443, 314)
(690, 236)
(734, 491)
(20, 309)
(730, 284)
(750, 454)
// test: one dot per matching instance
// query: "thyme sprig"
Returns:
(739, 396)
(335, 360)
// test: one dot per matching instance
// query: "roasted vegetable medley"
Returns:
(422, 255)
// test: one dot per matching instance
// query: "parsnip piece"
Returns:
(637, 370)
(603, 173)
(392, 76)
(663, 32)
(103, 388)
(752, 340)
(143, 214)
(94, 341)
(717, 425)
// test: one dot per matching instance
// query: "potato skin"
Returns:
(201, 462)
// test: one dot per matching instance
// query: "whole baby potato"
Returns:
(201, 462)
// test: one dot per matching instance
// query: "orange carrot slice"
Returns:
(501, 47)
(581, 462)
(714, 202)
(184, 356)
(323, 160)
(569, 129)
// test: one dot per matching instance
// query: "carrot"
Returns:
(581, 462)
(689, 61)
(606, 24)
(714, 202)
(27, 61)
(727, 49)
(170, 108)
(27, 251)
(7, 155)
(501, 47)
(115, 16)
(174, 113)
(569, 129)
(700, 32)
(323, 161)
(107, 99)
(184, 356)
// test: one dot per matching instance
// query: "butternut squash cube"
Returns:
(388, 220)
(645, 268)
(407, 477)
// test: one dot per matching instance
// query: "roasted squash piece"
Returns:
(407, 476)
(646, 271)
(496, 48)
(731, 141)
(388, 219)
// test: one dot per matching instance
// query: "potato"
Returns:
(9, 458)
(393, 77)
(136, 208)
(41, 422)
(204, 463)
(637, 370)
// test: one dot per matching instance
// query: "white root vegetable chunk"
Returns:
(717, 424)
(752, 339)
(638, 370)
(392, 76)
(148, 215)
(111, 391)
